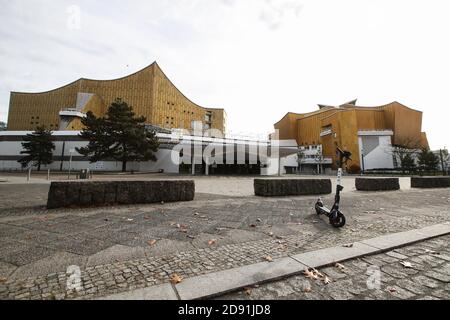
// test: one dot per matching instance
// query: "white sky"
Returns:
(258, 59)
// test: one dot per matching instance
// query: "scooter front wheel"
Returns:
(339, 221)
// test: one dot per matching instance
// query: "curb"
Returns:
(222, 282)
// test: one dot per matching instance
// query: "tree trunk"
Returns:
(124, 166)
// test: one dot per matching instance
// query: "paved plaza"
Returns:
(119, 249)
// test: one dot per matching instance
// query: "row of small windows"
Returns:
(184, 111)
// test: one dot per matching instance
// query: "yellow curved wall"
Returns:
(149, 92)
(347, 120)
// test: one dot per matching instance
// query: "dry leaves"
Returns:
(310, 274)
(268, 259)
(212, 242)
(152, 242)
(406, 264)
(316, 275)
(3, 280)
(175, 278)
(248, 291)
(307, 290)
(340, 266)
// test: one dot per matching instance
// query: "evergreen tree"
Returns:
(408, 163)
(38, 147)
(428, 160)
(120, 136)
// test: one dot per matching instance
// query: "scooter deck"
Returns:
(325, 210)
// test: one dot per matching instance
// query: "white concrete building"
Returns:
(215, 156)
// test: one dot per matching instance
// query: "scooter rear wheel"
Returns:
(339, 222)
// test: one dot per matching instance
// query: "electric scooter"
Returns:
(337, 218)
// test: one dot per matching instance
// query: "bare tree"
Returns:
(300, 156)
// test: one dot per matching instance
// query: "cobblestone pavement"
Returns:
(115, 251)
(426, 278)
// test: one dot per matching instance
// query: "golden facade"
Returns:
(149, 92)
(339, 126)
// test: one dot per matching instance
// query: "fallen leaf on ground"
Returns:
(326, 280)
(339, 266)
(269, 259)
(406, 264)
(248, 291)
(349, 245)
(392, 290)
(175, 278)
(3, 280)
(212, 242)
(258, 220)
(152, 242)
(317, 273)
(271, 234)
(307, 290)
(310, 274)
(253, 226)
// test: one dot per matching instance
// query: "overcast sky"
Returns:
(258, 59)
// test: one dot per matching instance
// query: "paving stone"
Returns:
(57, 262)
(438, 276)
(426, 281)
(115, 254)
(400, 293)
(329, 256)
(233, 279)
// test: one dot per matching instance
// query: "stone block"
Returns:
(377, 184)
(430, 182)
(98, 193)
(291, 187)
